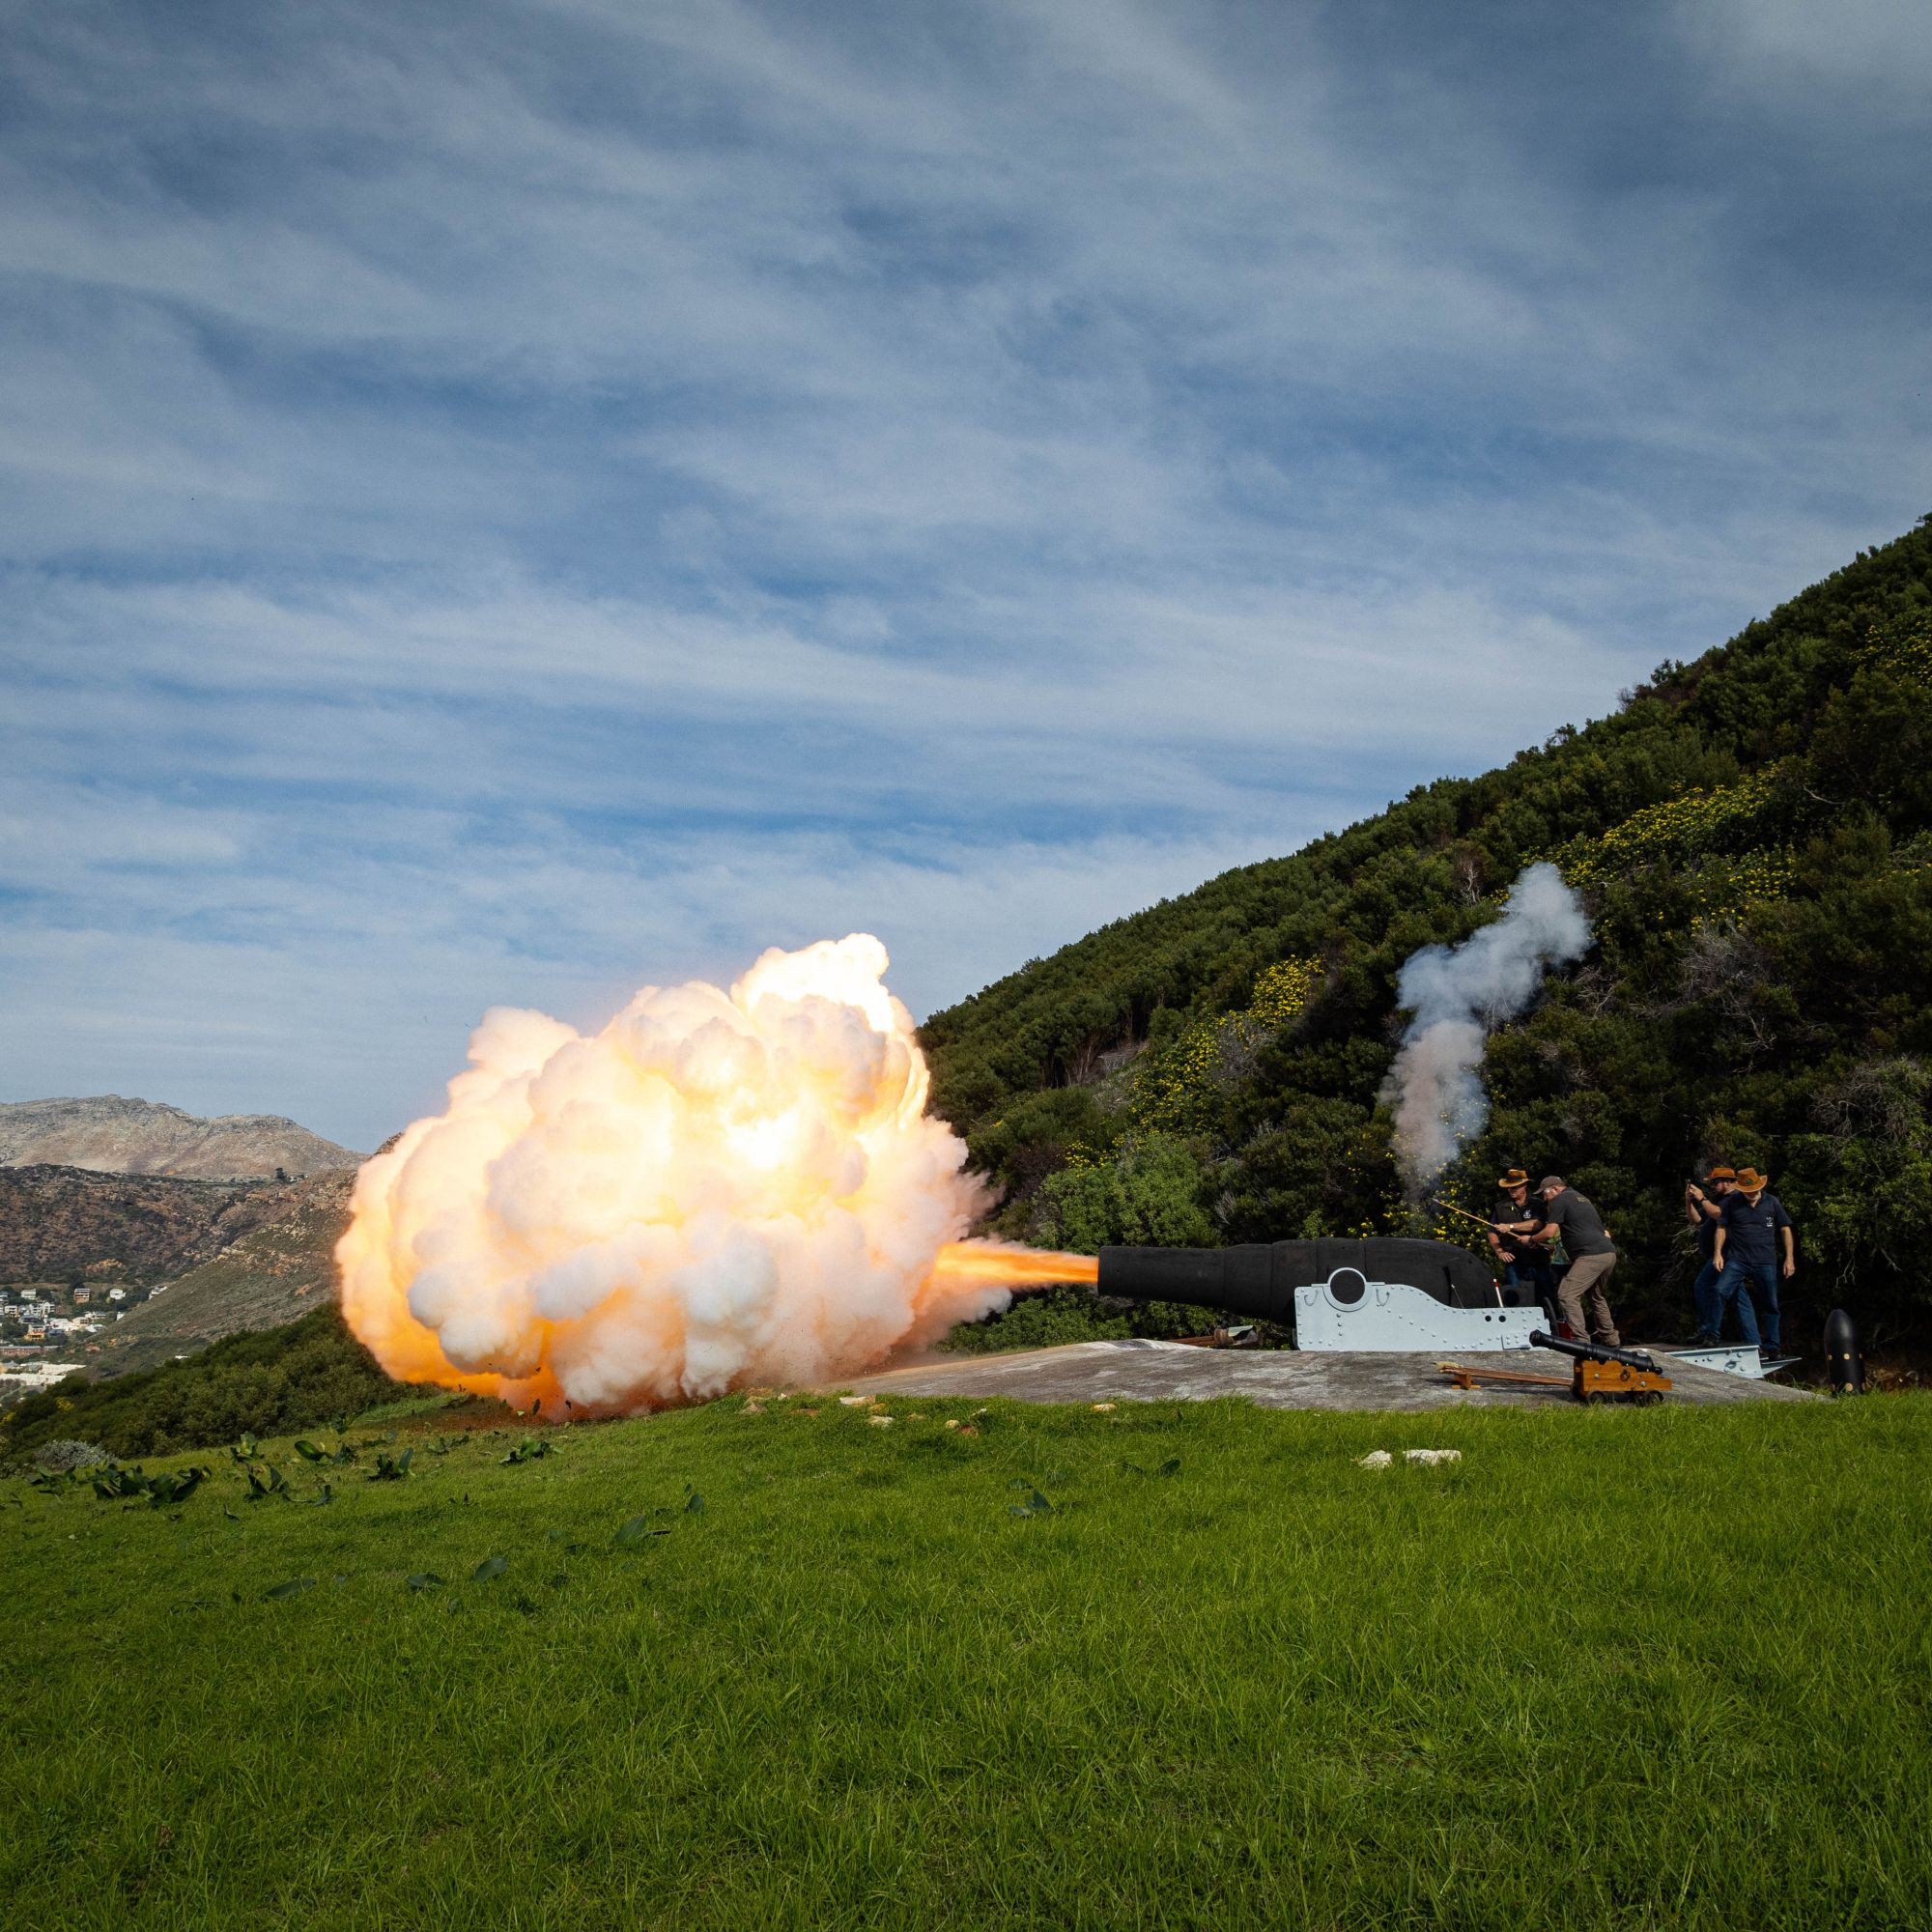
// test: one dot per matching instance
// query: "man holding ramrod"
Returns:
(1566, 1216)
(1513, 1226)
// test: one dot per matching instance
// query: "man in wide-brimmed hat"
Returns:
(1705, 1206)
(1568, 1217)
(1513, 1224)
(1753, 1229)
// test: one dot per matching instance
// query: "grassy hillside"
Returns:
(1752, 833)
(871, 1682)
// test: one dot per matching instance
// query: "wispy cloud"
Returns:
(504, 501)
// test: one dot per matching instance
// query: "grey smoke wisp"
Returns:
(1457, 995)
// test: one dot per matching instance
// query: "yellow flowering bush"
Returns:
(1171, 1084)
(1679, 828)
(1723, 888)
(1904, 647)
(1714, 836)
(1283, 992)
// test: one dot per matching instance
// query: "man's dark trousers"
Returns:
(1538, 1275)
(1748, 1281)
(1704, 1299)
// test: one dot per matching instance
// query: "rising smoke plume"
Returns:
(718, 1189)
(1457, 995)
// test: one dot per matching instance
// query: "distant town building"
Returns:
(117, 1295)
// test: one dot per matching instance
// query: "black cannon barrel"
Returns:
(1259, 1280)
(1596, 1351)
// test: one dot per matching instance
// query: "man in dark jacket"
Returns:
(1754, 1228)
(1513, 1224)
(1569, 1217)
(1706, 1210)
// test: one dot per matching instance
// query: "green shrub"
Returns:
(1073, 1315)
(263, 1384)
(1149, 1193)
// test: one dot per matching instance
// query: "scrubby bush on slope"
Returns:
(262, 1383)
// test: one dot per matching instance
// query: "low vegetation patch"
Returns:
(1074, 1314)
(265, 1383)
(769, 1663)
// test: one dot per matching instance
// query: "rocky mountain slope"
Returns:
(58, 1222)
(113, 1135)
(276, 1272)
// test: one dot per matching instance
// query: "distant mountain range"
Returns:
(111, 1135)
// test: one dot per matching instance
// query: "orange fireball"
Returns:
(716, 1190)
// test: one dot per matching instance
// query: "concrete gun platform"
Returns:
(1141, 1370)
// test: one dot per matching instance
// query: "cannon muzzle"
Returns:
(1596, 1351)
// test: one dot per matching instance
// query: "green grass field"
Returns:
(1625, 1668)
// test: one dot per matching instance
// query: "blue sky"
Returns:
(502, 503)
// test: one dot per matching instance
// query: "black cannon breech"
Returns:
(1596, 1351)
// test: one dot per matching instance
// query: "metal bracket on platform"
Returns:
(1344, 1312)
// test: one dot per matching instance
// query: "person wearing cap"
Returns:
(1705, 1210)
(1574, 1220)
(1753, 1229)
(1513, 1224)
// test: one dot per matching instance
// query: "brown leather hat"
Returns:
(1721, 1173)
(1515, 1178)
(1749, 1180)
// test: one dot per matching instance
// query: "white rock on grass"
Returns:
(1375, 1459)
(1431, 1455)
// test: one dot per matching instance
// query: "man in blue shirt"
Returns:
(1753, 1228)
(1706, 1210)
(1513, 1225)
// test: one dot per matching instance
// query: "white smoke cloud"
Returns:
(716, 1189)
(1457, 995)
